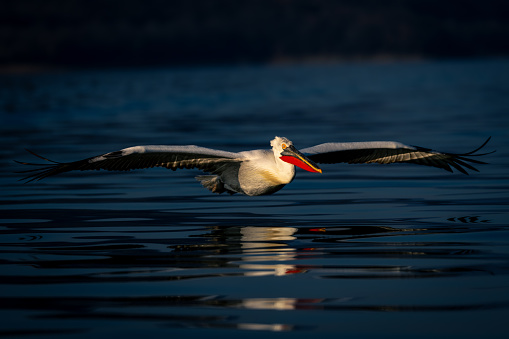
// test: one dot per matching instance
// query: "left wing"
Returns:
(137, 157)
(386, 152)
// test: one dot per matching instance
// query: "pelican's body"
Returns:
(257, 172)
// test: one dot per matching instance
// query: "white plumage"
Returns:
(257, 172)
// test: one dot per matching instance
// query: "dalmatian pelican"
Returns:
(257, 172)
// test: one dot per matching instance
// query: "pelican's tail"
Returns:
(213, 183)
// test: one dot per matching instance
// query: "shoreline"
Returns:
(34, 68)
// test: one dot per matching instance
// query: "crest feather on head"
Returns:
(277, 143)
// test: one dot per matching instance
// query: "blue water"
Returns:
(359, 251)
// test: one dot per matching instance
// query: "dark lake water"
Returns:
(386, 251)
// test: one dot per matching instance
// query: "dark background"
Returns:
(159, 32)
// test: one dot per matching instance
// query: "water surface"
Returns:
(360, 250)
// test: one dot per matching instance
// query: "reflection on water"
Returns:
(260, 244)
(150, 269)
(155, 251)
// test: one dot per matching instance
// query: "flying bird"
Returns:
(257, 172)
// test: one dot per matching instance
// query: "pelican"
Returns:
(257, 172)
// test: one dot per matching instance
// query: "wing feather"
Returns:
(386, 152)
(138, 157)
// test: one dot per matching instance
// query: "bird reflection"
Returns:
(255, 250)
(261, 244)
(270, 250)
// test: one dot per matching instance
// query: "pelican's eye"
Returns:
(284, 146)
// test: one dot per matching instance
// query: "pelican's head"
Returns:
(284, 149)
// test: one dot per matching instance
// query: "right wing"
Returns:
(386, 152)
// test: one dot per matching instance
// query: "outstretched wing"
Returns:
(386, 152)
(137, 157)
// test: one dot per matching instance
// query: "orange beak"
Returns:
(292, 156)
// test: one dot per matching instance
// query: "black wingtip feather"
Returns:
(40, 156)
(457, 166)
(464, 164)
(42, 172)
(461, 161)
(471, 153)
